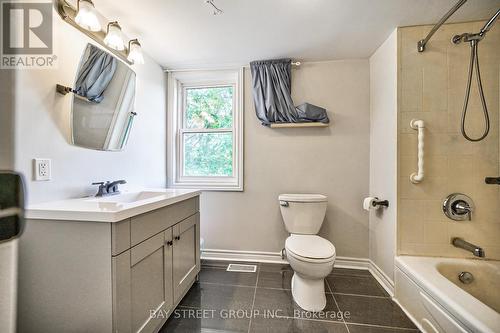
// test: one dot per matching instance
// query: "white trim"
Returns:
(408, 314)
(177, 82)
(245, 256)
(275, 257)
(386, 282)
(352, 263)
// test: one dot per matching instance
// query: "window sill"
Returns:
(208, 188)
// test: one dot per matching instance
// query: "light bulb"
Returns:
(86, 17)
(114, 38)
(135, 52)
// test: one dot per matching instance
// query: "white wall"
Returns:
(43, 128)
(333, 161)
(383, 153)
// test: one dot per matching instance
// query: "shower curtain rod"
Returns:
(167, 70)
(421, 43)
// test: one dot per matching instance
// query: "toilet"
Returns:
(310, 256)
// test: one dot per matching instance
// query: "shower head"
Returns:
(490, 23)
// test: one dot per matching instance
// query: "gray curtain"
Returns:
(95, 74)
(272, 88)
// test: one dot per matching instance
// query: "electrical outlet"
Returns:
(41, 168)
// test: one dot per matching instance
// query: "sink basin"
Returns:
(112, 208)
(130, 197)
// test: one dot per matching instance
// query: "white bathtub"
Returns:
(430, 291)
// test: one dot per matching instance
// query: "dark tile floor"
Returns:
(262, 302)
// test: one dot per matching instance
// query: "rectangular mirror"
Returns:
(103, 101)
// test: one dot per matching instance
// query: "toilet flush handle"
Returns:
(284, 203)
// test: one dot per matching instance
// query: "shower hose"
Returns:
(474, 62)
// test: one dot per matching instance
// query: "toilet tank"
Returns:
(303, 213)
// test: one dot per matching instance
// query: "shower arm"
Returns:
(421, 43)
(490, 23)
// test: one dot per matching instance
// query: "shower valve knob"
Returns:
(458, 207)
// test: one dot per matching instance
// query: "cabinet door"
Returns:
(150, 268)
(186, 254)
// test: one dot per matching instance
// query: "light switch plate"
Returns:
(41, 169)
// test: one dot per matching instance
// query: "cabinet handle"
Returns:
(177, 237)
(170, 243)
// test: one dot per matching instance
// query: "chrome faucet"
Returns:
(462, 244)
(108, 188)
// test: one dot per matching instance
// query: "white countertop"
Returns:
(109, 208)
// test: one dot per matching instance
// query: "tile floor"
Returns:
(262, 302)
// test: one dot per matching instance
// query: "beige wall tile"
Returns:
(436, 232)
(434, 165)
(432, 88)
(434, 211)
(430, 188)
(412, 88)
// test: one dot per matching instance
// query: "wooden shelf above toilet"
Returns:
(298, 125)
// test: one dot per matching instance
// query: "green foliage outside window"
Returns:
(209, 154)
(209, 107)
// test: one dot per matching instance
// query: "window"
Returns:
(205, 130)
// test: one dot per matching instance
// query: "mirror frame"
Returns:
(134, 114)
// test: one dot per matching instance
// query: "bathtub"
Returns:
(429, 290)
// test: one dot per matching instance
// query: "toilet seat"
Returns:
(310, 248)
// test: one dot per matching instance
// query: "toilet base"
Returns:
(309, 294)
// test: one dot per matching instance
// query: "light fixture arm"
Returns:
(134, 41)
(113, 23)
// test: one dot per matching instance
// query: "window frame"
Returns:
(178, 83)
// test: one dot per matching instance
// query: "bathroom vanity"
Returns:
(106, 264)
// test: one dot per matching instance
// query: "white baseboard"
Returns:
(382, 278)
(245, 256)
(352, 263)
(275, 258)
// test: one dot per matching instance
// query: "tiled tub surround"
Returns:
(268, 291)
(431, 86)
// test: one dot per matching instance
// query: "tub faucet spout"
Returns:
(460, 243)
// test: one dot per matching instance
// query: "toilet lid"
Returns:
(310, 246)
(302, 197)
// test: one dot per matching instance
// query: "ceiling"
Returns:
(185, 34)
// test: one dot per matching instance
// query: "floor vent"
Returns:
(241, 268)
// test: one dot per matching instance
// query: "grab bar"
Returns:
(419, 126)
(421, 43)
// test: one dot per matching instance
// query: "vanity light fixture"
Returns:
(86, 18)
(86, 15)
(114, 37)
(135, 52)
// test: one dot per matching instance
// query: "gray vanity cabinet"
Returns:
(156, 273)
(186, 259)
(143, 276)
(91, 276)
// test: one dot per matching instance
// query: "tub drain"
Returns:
(466, 277)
